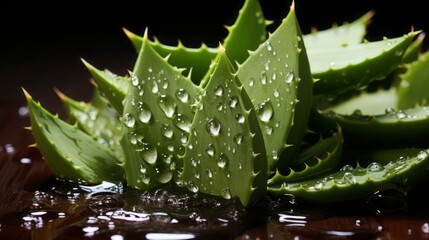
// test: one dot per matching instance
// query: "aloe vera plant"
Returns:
(231, 121)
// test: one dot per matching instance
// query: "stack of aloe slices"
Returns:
(233, 121)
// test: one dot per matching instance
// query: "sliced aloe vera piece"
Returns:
(69, 152)
(319, 159)
(414, 84)
(110, 85)
(225, 154)
(277, 78)
(96, 118)
(359, 183)
(339, 36)
(354, 66)
(157, 118)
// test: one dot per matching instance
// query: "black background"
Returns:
(41, 43)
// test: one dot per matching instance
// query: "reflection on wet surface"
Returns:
(35, 205)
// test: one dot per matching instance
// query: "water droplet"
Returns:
(239, 118)
(390, 111)
(218, 91)
(183, 123)
(346, 168)
(143, 169)
(155, 88)
(167, 131)
(222, 160)
(167, 105)
(374, 167)
(265, 111)
(399, 52)
(149, 69)
(197, 175)
(134, 79)
(209, 173)
(233, 101)
(219, 107)
(192, 187)
(238, 138)
(149, 153)
(318, 185)
(268, 46)
(290, 77)
(401, 114)
(182, 95)
(25, 160)
(276, 93)
(269, 130)
(263, 78)
(129, 120)
(144, 113)
(425, 228)
(422, 155)
(275, 155)
(210, 150)
(226, 193)
(213, 127)
(349, 178)
(251, 82)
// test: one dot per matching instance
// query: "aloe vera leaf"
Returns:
(319, 159)
(359, 183)
(277, 78)
(340, 36)
(97, 119)
(225, 154)
(414, 84)
(354, 66)
(69, 152)
(247, 33)
(415, 49)
(197, 59)
(399, 128)
(367, 103)
(366, 156)
(112, 86)
(157, 117)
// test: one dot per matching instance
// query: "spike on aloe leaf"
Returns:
(69, 152)
(225, 152)
(277, 78)
(157, 117)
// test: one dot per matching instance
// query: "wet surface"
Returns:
(35, 205)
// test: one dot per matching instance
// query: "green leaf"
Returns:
(277, 78)
(225, 154)
(354, 66)
(247, 33)
(413, 87)
(110, 85)
(319, 159)
(157, 118)
(69, 152)
(97, 119)
(339, 36)
(359, 183)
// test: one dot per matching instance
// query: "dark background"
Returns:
(41, 43)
